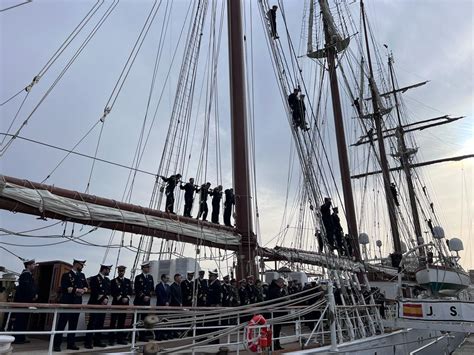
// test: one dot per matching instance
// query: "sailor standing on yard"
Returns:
(271, 15)
(189, 189)
(121, 290)
(26, 292)
(204, 193)
(216, 203)
(100, 291)
(172, 181)
(144, 286)
(228, 204)
(73, 286)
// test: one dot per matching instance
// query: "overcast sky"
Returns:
(431, 40)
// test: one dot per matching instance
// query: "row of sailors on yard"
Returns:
(204, 192)
(189, 292)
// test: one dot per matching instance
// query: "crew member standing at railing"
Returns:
(26, 292)
(73, 286)
(276, 291)
(100, 291)
(143, 286)
(120, 290)
(202, 289)
(214, 299)
(187, 289)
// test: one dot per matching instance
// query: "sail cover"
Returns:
(45, 201)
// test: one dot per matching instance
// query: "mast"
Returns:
(382, 153)
(240, 149)
(405, 162)
(331, 52)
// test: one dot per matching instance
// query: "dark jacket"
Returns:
(143, 286)
(214, 295)
(120, 289)
(204, 193)
(216, 197)
(163, 294)
(172, 181)
(244, 296)
(99, 288)
(176, 296)
(188, 190)
(187, 288)
(202, 291)
(75, 280)
(26, 290)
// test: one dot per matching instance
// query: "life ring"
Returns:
(253, 335)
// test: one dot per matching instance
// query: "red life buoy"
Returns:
(255, 337)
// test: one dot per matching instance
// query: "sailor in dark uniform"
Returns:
(73, 286)
(204, 193)
(100, 292)
(144, 286)
(187, 289)
(26, 292)
(251, 289)
(202, 289)
(175, 290)
(189, 189)
(171, 181)
(228, 205)
(214, 299)
(216, 203)
(120, 290)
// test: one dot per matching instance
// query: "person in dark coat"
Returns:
(275, 291)
(302, 113)
(216, 203)
(73, 286)
(229, 203)
(143, 287)
(226, 292)
(271, 15)
(251, 290)
(327, 221)
(293, 102)
(202, 285)
(26, 292)
(121, 291)
(204, 193)
(243, 293)
(163, 292)
(214, 299)
(187, 289)
(338, 231)
(163, 299)
(214, 295)
(176, 298)
(171, 183)
(100, 291)
(234, 300)
(189, 189)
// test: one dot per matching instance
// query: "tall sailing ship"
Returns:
(348, 85)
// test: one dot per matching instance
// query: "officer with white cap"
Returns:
(73, 286)
(121, 291)
(26, 292)
(143, 287)
(187, 289)
(100, 292)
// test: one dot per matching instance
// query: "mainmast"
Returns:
(383, 157)
(240, 149)
(404, 155)
(331, 51)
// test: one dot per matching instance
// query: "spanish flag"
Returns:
(412, 310)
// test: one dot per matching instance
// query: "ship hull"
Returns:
(442, 280)
(400, 342)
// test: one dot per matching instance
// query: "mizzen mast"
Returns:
(383, 157)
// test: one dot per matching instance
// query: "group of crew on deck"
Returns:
(336, 240)
(204, 192)
(188, 291)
